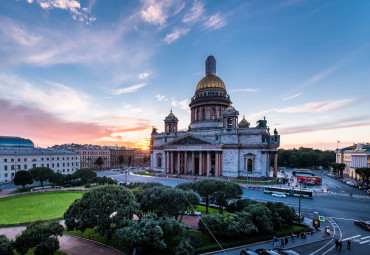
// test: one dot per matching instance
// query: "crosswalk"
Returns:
(318, 192)
(358, 239)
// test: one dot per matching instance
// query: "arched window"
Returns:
(249, 162)
(213, 113)
(203, 113)
(159, 160)
(229, 123)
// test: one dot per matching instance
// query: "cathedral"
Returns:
(216, 143)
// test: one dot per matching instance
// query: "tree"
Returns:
(41, 174)
(121, 159)
(104, 180)
(206, 188)
(226, 191)
(23, 178)
(100, 208)
(85, 174)
(38, 234)
(364, 173)
(6, 247)
(57, 178)
(129, 160)
(341, 168)
(186, 186)
(334, 167)
(239, 205)
(262, 217)
(99, 162)
(285, 213)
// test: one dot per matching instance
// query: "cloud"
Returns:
(157, 12)
(318, 107)
(184, 104)
(130, 89)
(142, 76)
(174, 102)
(53, 97)
(73, 6)
(194, 14)
(132, 108)
(351, 122)
(176, 34)
(18, 34)
(215, 22)
(291, 97)
(242, 90)
(161, 98)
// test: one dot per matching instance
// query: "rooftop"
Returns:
(34, 151)
(12, 141)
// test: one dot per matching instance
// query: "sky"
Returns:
(105, 72)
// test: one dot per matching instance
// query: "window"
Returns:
(25, 159)
(25, 167)
(12, 160)
(5, 168)
(47, 159)
(12, 167)
(33, 165)
(42, 165)
(47, 165)
(58, 158)
(229, 123)
(52, 158)
(57, 164)
(5, 160)
(64, 164)
(42, 159)
(5, 175)
(19, 160)
(52, 165)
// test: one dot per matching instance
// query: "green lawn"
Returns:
(144, 173)
(36, 206)
(202, 209)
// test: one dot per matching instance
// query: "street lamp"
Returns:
(300, 196)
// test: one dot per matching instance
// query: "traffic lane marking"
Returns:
(365, 242)
(365, 237)
(348, 238)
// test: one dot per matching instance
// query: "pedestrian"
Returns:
(286, 240)
(340, 245)
(275, 241)
(328, 232)
(134, 251)
(291, 237)
(336, 244)
(282, 243)
(348, 244)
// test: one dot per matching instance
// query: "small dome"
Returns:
(171, 114)
(244, 123)
(231, 107)
(9, 141)
(210, 81)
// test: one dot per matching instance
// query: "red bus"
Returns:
(310, 180)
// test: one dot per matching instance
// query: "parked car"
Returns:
(266, 252)
(287, 252)
(362, 187)
(278, 195)
(363, 224)
(248, 252)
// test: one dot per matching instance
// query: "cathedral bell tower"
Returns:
(170, 124)
(230, 118)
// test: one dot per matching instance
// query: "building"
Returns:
(355, 156)
(215, 144)
(142, 157)
(20, 154)
(121, 156)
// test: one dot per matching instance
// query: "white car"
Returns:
(278, 195)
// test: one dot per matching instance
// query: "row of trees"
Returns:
(338, 168)
(364, 173)
(41, 235)
(43, 174)
(305, 158)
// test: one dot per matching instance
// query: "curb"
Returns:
(95, 242)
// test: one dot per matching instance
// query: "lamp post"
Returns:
(300, 196)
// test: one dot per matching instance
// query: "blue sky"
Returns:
(104, 72)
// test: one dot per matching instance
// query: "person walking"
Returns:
(340, 245)
(336, 244)
(275, 242)
(348, 244)
(282, 243)
(286, 240)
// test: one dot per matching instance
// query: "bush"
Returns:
(87, 186)
(47, 247)
(5, 246)
(77, 183)
(239, 205)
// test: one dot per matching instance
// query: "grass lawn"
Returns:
(36, 206)
(255, 182)
(144, 173)
(202, 209)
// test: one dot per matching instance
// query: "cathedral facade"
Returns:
(216, 143)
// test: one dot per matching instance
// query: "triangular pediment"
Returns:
(189, 140)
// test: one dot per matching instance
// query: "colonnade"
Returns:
(193, 162)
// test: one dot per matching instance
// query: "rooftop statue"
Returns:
(262, 123)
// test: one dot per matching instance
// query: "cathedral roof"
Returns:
(231, 107)
(210, 81)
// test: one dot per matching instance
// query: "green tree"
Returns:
(262, 217)
(47, 247)
(37, 235)
(285, 213)
(41, 174)
(364, 173)
(206, 188)
(186, 186)
(57, 178)
(225, 192)
(121, 159)
(6, 247)
(129, 160)
(239, 205)
(99, 162)
(23, 178)
(101, 208)
(341, 168)
(334, 167)
(85, 174)
(104, 180)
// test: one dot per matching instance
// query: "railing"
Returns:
(209, 95)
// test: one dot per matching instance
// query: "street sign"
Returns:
(321, 216)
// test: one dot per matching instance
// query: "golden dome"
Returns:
(210, 81)
(171, 114)
(244, 119)
(231, 107)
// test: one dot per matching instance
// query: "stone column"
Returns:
(172, 170)
(165, 161)
(275, 164)
(178, 162)
(208, 163)
(220, 164)
(200, 163)
(186, 163)
(216, 163)
(192, 163)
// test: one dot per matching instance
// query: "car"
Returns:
(248, 252)
(286, 252)
(278, 195)
(267, 252)
(363, 224)
(362, 187)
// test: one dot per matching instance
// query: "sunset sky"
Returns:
(105, 72)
